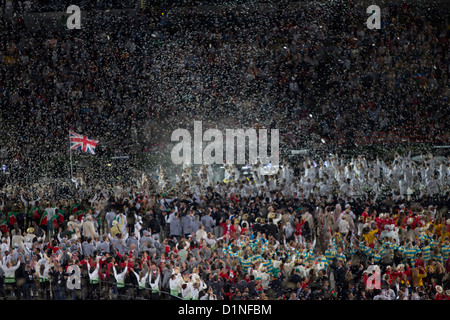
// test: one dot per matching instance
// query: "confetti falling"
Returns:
(368, 107)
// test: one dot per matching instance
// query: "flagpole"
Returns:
(71, 165)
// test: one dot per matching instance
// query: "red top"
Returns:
(365, 215)
(419, 263)
(439, 296)
(54, 249)
(298, 228)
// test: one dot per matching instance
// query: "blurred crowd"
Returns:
(24, 6)
(130, 79)
(320, 236)
(338, 229)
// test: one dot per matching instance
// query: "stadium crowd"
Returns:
(300, 68)
(254, 236)
(129, 80)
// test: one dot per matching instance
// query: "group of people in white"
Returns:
(334, 175)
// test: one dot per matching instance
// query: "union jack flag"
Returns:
(82, 142)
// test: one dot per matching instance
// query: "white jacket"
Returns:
(9, 271)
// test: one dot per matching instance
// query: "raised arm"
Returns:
(135, 274)
(93, 199)
(277, 243)
(14, 268)
(97, 267)
(37, 199)
(144, 279)
(25, 202)
(8, 241)
(124, 271)
(59, 237)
